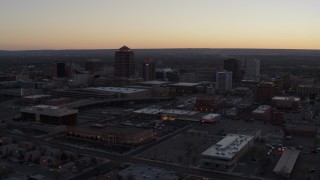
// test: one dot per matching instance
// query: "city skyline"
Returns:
(287, 24)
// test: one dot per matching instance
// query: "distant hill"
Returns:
(175, 58)
(200, 51)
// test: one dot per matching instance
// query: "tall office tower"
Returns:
(124, 63)
(224, 81)
(149, 69)
(93, 65)
(235, 66)
(253, 69)
(206, 74)
(59, 69)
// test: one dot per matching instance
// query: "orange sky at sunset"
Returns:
(103, 24)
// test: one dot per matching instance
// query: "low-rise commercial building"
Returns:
(210, 118)
(169, 114)
(225, 154)
(208, 105)
(301, 129)
(286, 162)
(112, 135)
(265, 91)
(232, 113)
(35, 99)
(286, 103)
(262, 113)
(308, 90)
(50, 115)
(183, 88)
(124, 92)
(277, 118)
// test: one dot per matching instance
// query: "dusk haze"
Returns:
(105, 24)
(159, 89)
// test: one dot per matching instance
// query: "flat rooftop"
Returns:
(210, 116)
(179, 112)
(184, 84)
(286, 98)
(154, 82)
(37, 96)
(286, 162)
(152, 111)
(122, 90)
(99, 127)
(296, 126)
(165, 111)
(148, 172)
(49, 110)
(261, 109)
(228, 147)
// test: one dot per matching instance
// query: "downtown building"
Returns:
(124, 66)
(235, 66)
(167, 74)
(149, 69)
(225, 154)
(265, 91)
(224, 81)
(112, 134)
(252, 69)
(61, 70)
(93, 65)
(206, 74)
(49, 115)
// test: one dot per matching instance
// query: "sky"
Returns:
(109, 24)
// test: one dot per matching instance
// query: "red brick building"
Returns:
(208, 105)
(265, 91)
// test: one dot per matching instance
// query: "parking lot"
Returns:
(184, 149)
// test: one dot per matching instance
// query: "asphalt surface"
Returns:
(130, 157)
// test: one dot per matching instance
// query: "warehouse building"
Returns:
(286, 163)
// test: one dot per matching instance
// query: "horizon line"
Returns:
(157, 49)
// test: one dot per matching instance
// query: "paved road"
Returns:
(130, 157)
(94, 171)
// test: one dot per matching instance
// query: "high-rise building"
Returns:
(124, 63)
(235, 66)
(60, 70)
(253, 69)
(224, 81)
(149, 69)
(93, 65)
(206, 74)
